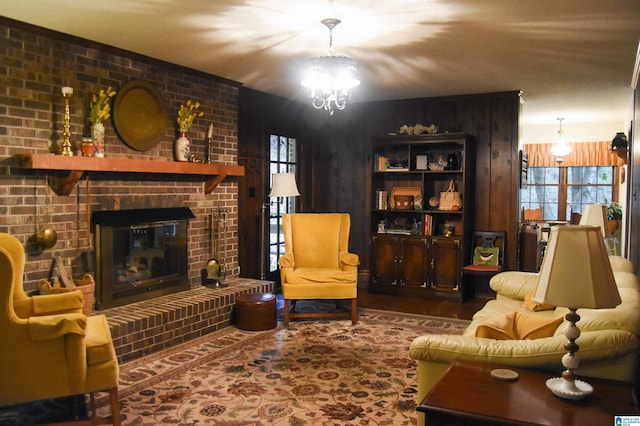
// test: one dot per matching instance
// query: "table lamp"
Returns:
(575, 273)
(596, 215)
(284, 185)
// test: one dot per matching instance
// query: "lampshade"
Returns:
(596, 215)
(284, 185)
(576, 272)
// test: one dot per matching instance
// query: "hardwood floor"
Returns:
(439, 308)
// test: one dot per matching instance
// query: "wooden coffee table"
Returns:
(467, 395)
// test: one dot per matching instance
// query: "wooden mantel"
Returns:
(76, 166)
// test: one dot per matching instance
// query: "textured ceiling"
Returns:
(570, 58)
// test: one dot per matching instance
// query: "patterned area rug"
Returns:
(61, 410)
(326, 372)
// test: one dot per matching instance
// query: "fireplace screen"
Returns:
(139, 259)
(142, 253)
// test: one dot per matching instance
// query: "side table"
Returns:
(467, 395)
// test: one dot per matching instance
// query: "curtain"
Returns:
(582, 154)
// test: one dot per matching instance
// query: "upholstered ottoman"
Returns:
(256, 311)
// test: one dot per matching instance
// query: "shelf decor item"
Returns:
(88, 148)
(187, 113)
(67, 92)
(182, 147)
(97, 134)
(139, 102)
(99, 111)
(450, 199)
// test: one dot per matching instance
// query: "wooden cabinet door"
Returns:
(384, 260)
(445, 263)
(413, 264)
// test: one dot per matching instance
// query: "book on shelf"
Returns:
(380, 163)
(428, 224)
(381, 199)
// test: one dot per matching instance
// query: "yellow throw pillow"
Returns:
(500, 327)
(535, 306)
(518, 326)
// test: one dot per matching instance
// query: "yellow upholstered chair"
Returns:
(52, 354)
(317, 263)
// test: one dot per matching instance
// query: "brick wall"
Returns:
(35, 64)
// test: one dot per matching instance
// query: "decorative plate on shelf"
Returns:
(139, 115)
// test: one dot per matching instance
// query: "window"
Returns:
(282, 159)
(563, 190)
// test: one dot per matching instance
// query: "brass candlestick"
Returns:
(67, 92)
(207, 152)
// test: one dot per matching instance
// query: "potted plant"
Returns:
(614, 214)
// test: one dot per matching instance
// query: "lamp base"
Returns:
(569, 390)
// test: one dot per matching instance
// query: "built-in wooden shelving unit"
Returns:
(76, 166)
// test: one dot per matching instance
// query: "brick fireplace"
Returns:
(33, 125)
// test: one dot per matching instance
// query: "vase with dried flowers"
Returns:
(99, 111)
(187, 113)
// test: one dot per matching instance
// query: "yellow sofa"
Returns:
(609, 340)
(317, 263)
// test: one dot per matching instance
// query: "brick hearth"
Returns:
(148, 326)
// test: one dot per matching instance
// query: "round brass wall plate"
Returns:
(139, 115)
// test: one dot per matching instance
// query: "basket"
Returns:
(86, 285)
(405, 198)
(403, 202)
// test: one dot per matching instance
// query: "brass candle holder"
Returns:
(207, 151)
(67, 92)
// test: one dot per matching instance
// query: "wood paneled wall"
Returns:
(335, 162)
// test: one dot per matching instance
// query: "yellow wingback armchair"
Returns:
(52, 354)
(317, 263)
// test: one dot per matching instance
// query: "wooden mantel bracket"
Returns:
(63, 185)
(69, 169)
(211, 184)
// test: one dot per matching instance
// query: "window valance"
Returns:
(582, 154)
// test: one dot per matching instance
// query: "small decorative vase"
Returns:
(88, 148)
(97, 134)
(182, 147)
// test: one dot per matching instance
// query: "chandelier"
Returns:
(560, 147)
(329, 78)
